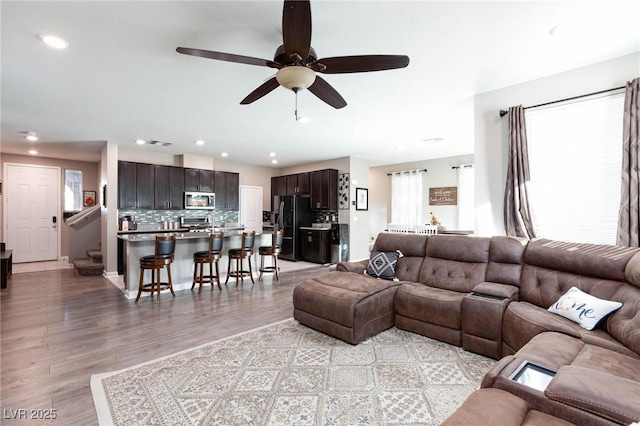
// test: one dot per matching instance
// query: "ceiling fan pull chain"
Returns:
(296, 110)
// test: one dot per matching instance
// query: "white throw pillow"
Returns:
(583, 308)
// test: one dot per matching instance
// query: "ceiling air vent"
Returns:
(159, 143)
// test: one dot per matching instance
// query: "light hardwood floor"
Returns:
(58, 328)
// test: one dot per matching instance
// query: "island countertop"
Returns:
(138, 245)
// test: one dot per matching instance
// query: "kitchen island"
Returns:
(187, 243)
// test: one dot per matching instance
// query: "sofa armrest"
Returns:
(356, 267)
(504, 291)
(612, 397)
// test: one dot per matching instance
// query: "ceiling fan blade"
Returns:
(296, 27)
(228, 57)
(326, 93)
(363, 63)
(265, 88)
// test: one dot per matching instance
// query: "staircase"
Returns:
(91, 265)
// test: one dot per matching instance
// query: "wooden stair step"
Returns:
(86, 266)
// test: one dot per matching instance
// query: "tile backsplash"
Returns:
(157, 216)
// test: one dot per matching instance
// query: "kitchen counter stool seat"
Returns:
(165, 246)
(273, 250)
(211, 257)
(239, 254)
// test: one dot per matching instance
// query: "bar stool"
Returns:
(162, 257)
(210, 256)
(239, 254)
(273, 250)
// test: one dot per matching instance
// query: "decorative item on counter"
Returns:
(434, 219)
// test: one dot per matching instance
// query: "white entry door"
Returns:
(32, 203)
(251, 208)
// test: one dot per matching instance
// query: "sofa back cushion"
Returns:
(553, 267)
(455, 262)
(412, 247)
(506, 256)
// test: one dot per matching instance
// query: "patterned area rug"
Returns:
(288, 374)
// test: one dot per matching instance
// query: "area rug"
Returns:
(288, 374)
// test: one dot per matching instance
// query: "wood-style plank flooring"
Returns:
(58, 328)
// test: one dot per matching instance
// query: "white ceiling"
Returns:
(121, 78)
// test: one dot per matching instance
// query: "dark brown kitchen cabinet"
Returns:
(315, 246)
(324, 189)
(168, 188)
(279, 185)
(292, 184)
(227, 189)
(304, 187)
(199, 180)
(135, 185)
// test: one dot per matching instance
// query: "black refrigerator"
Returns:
(292, 212)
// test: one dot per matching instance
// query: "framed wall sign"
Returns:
(89, 198)
(343, 191)
(443, 196)
(362, 199)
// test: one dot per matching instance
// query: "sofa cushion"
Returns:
(498, 407)
(337, 297)
(505, 260)
(431, 305)
(456, 263)
(582, 308)
(382, 264)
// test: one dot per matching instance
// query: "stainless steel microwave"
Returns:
(199, 200)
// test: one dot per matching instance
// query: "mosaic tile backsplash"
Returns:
(148, 217)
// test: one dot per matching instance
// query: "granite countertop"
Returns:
(179, 235)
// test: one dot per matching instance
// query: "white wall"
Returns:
(109, 222)
(491, 131)
(439, 173)
(359, 233)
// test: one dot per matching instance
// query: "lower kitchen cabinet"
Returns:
(315, 245)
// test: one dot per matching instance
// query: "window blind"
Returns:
(575, 157)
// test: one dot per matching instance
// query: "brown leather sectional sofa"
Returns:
(490, 296)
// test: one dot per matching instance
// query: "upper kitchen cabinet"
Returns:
(199, 180)
(169, 188)
(324, 189)
(302, 184)
(227, 189)
(135, 185)
(279, 185)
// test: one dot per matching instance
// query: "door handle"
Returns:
(54, 221)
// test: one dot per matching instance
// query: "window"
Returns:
(406, 198)
(72, 190)
(575, 159)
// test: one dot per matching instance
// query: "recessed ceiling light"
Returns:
(274, 161)
(33, 152)
(224, 154)
(199, 142)
(32, 137)
(53, 41)
(272, 154)
(140, 142)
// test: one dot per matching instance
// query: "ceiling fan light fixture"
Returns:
(303, 119)
(295, 77)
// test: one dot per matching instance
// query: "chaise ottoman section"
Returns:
(344, 305)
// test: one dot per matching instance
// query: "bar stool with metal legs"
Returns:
(162, 257)
(273, 250)
(239, 254)
(210, 256)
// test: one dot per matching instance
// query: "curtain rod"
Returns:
(505, 112)
(464, 166)
(406, 171)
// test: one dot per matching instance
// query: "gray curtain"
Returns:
(518, 221)
(629, 216)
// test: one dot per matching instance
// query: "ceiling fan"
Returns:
(297, 62)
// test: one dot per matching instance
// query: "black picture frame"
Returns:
(362, 199)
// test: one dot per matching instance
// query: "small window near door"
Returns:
(73, 190)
